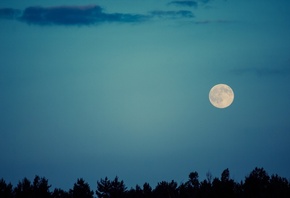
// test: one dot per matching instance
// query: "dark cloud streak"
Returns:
(75, 15)
(83, 15)
(184, 3)
(172, 14)
(9, 13)
(215, 22)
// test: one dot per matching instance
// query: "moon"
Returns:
(221, 96)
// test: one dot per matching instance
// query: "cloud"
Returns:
(192, 3)
(205, 1)
(83, 15)
(75, 15)
(221, 21)
(9, 13)
(184, 3)
(172, 14)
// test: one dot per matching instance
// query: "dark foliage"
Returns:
(111, 189)
(5, 189)
(166, 189)
(258, 184)
(81, 189)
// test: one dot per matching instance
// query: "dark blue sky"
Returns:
(104, 88)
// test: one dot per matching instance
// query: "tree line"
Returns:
(257, 184)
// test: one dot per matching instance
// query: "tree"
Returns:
(5, 189)
(59, 193)
(225, 187)
(205, 189)
(147, 190)
(279, 187)
(81, 189)
(193, 180)
(227, 184)
(257, 183)
(135, 193)
(110, 189)
(118, 188)
(40, 187)
(191, 187)
(103, 188)
(166, 189)
(225, 176)
(209, 177)
(23, 189)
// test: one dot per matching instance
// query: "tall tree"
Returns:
(279, 187)
(118, 188)
(147, 190)
(193, 180)
(166, 189)
(111, 189)
(6, 190)
(40, 187)
(225, 187)
(257, 183)
(103, 188)
(59, 193)
(24, 189)
(81, 189)
(191, 187)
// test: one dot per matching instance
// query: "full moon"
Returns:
(221, 96)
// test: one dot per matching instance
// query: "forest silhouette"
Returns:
(257, 184)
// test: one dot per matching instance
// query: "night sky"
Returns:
(90, 89)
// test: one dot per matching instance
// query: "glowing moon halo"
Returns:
(221, 96)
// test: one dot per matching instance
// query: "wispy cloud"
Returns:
(75, 15)
(190, 3)
(221, 21)
(184, 3)
(172, 14)
(83, 15)
(9, 13)
(205, 1)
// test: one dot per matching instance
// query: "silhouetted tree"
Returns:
(166, 190)
(193, 180)
(110, 189)
(6, 190)
(227, 184)
(205, 189)
(257, 183)
(135, 193)
(225, 187)
(225, 176)
(138, 192)
(40, 187)
(191, 187)
(209, 177)
(59, 193)
(103, 188)
(24, 189)
(117, 188)
(81, 189)
(183, 191)
(147, 190)
(279, 187)
(239, 189)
